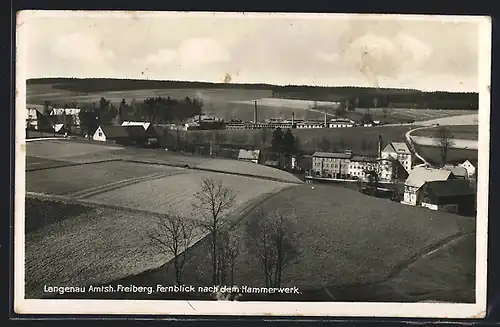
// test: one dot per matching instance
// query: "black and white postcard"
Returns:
(196, 163)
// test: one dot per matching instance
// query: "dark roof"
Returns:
(120, 132)
(452, 187)
(340, 155)
(114, 132)
(136, 131)
(364, 159)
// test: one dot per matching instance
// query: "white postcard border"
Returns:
(158, 307)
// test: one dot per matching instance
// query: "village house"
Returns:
(455, 195)
(400, 152)
(470, 167)
(33, 115)
(458, 171)
(127, 135)
(249, 155)
(417, 178)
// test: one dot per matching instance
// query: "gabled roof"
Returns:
(112, 132)
(456, 170)
(470, 161)
(398, 147)
(452, 187)
(249, 154)
(420, 175)
(338, 155)
(145, 125)
(136, 131)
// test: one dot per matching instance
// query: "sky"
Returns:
(331, 50)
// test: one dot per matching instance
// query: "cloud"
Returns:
(379, 56)
(191, 52)
(81, 47)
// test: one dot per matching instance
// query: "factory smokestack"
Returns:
(255, 112)
(379, 148)
(326, 120)
(293, 118)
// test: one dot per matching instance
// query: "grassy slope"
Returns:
(433, 154)
(466, 132)
(176, 192)
(65, 180)
(346, 238)
(88, 244)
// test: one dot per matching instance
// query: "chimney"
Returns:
(293, 118)
(326, 120)
(379, 146)
(255, 113)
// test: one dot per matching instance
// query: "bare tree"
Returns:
(174, 234)
(213, 201)
(445, 142)
(274, 240)
(228, 252)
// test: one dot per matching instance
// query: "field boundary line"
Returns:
(118, 184)
(407, 263)
(72, 164)
(186, 166)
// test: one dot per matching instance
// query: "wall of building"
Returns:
(99, 135)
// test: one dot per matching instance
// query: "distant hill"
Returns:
(360, 97)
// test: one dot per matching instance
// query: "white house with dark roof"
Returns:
(417, 178)
(400, 152)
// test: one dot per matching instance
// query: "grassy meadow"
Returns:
(346, 246)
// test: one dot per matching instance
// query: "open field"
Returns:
(433, 154)
(63, 149)
(229, 103)
(42, 163)
(343, 244)
(67, 180)
(460, 118)
(464, 132)
(177, 192)
(88, 151)
(88, 246)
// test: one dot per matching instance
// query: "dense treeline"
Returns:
(108, 84)
(155, 110)
(354, 97)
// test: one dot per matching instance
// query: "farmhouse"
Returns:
(249, 155)
(124, 135)
(417, 178)
(454, 195)
(470, 167)
(400, 152)
(33, 114)
(458, 171)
